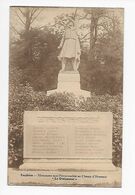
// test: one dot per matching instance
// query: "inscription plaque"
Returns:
(67, 135)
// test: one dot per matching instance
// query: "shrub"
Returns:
(101, 78)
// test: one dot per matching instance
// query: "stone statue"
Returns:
(70, 47)
(69, 77)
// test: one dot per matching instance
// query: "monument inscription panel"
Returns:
(56, 134)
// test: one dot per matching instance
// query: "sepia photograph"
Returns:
(65, 96)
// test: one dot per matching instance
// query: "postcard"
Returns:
(65, 96)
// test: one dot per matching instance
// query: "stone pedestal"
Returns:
(69, 81)
(68, 149)
(68, 165)
(67, 141)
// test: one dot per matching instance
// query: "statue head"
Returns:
(71, 23)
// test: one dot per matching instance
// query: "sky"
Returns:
(47, 16)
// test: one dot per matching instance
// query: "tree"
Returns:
(101, 38)
(105, 54)
(26, 16)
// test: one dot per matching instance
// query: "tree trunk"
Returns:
(27, 34)
(92, 42)
(28, 20)
(93, 35)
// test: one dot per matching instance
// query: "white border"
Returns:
(129, 97)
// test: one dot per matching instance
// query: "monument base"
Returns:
(69, 82)
(70, 165)
(67, 149)
(79, 93)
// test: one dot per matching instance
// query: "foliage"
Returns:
(101, 78)
(35, 54)
(101, 69)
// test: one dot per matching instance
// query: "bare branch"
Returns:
(84, 17)
(75, 13)
(21, 11)
(84, 40)
(14, 29)
(106, 16)
(41, 27)
(85, 35)
(56, 23)
(36, 16)
(34, 10)
(19, 18)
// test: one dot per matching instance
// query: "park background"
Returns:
(35, 34)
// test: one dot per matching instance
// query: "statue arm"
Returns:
(62, 42)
